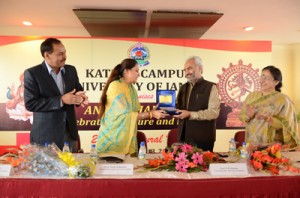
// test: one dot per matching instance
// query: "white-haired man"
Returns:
(199, 105)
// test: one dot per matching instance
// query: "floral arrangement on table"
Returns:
(270, 159)
(76, 168)
(182, 158)
(46, 161)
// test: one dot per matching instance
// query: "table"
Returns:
(276, 186)
(155, 184)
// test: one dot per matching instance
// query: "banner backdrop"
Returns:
(233, 65)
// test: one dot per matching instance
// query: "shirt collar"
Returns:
(50, 69)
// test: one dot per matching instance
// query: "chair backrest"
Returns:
(141, 137)
(239, 137)
(172, 137)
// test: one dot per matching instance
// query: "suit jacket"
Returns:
(42, 97)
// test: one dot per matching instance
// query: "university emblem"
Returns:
(140, 53)
(235, 83)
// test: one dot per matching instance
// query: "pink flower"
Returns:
(197, 158)
(181, 167)
(175, 148)
(187, 148)
(185, 158)
(181, 158)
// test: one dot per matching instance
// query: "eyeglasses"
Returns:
(263, 77)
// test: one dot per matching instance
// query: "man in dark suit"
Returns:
(51, 91)
(199, 106)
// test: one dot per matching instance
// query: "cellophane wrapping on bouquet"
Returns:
(48, 161)
(41, 161)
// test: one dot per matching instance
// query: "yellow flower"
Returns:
(278, 154)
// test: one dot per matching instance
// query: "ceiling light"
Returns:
(27, 23)
(248, 28)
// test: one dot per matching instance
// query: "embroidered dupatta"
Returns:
(118, 130)
(282, 111)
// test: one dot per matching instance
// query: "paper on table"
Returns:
(5, 170)
(228, 169)
(114, 169)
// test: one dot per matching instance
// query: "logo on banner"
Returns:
(234, 85)
(140, 53)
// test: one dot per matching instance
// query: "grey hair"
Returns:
(197, 60)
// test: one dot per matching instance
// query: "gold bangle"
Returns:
(150, 114)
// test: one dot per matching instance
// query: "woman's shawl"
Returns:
(117, 133)
(281, 108)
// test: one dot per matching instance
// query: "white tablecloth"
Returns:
(140, 172)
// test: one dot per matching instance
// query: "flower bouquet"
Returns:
(37, 160)
(76, 168)
(182, 158)
(269, 158)
(47, 161)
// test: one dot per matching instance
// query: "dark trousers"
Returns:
(206, 146)
(73, 144)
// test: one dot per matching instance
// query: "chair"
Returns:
(239, 137)
(172, 137)
(141, 137)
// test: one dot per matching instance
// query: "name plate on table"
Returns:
(228, 169)
(166, 101)
(5, 170)
(114, 169)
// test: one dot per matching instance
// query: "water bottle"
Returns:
(232, 147)
(244, 151)
(66, 147)
(142, 154)
(93, 154)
